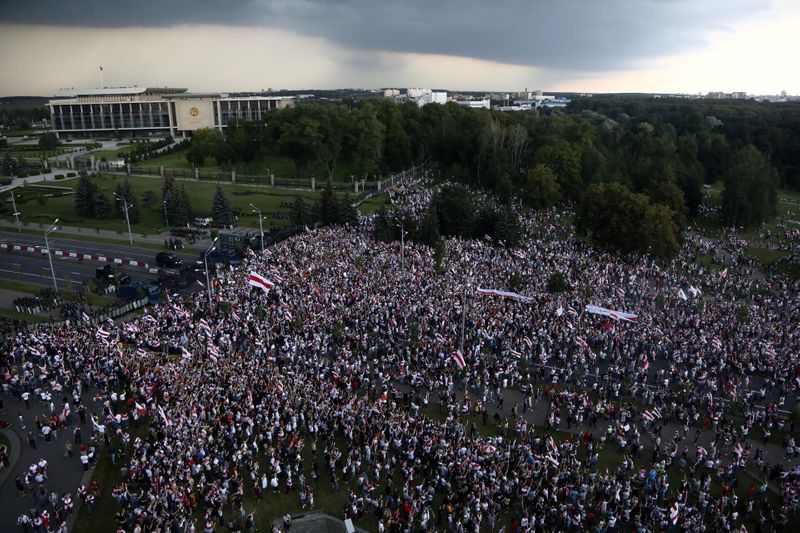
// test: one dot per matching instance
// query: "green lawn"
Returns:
(282, 167)
(90, 237)
(90, 298)
(374, 204)
(42, 205)
(111, 154)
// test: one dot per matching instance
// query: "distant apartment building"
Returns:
(152, 111)
(391, 93)
(475, 104)
(717, 95)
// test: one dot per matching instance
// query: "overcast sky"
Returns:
(573, 45)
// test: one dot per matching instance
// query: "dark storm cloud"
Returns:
(562, 34)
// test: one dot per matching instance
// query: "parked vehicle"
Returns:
(167, 260)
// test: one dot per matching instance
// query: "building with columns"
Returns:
(152, 111)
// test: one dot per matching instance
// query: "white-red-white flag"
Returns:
(256, 280)
(459, 359)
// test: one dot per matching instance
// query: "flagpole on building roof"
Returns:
(102, 85)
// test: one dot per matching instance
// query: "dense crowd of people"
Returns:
(560, 419)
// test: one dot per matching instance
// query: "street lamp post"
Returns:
(49, 230)
(260, 223)
(464, 318)
(208, 278)
(402, 247)
(166, 219)
(16, 213)
(125, 206)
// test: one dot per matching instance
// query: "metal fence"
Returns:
(108, 313)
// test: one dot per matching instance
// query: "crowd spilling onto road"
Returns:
(344, 371)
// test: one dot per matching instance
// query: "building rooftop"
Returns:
(117, 91)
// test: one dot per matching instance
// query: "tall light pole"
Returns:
(166, 219)
(260, 223)
(402, 247)
(16, 213)
(125, 206)
(464, 317)
(49, 230)
(208, 279)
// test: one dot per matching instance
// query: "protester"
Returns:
(333, 341)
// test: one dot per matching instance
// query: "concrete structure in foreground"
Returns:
(152, 111)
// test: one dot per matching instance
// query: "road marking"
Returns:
(40, 276)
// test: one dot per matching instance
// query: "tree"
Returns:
(179, 210)
(300, 215)
(103, 206)
(206, 142)
(328, 208)
(503, 188)
(564, 159)
(429, 230)
(541, 189)
(669, 195)
(84, 197)
(455, 210)
(48, 141)
(221, 208)
(750, 195)
(558, 282)
(367, 139)
(610, 214)
(124, 191)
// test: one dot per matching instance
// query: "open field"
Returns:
(374, 204)
(280, 166)
(43, 204)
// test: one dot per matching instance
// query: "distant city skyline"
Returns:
(650, 46)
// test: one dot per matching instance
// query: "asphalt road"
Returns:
(108, 250)
(70, 273)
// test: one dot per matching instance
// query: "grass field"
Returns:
(89, 236)
(43, 204)
(788, 208)
(280, 166)
(95, 300)
(374, 204)
(111, 154)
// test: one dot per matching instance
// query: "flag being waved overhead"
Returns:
(459, 359)
(616, 315)
(255, 280)
(506, 294)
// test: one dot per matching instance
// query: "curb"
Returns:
(80, 256)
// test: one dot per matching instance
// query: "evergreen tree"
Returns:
(184, 205)
(103, 206)
(300, 215)
(349, 215)
(429, 232)
(328, 210)
(84, 197)
(221, 208)
(124, 191)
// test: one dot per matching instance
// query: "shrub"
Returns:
(558, 283)
(71, 174)
(59, 176)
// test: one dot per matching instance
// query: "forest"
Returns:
(661, 152)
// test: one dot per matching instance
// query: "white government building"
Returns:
(152, 111)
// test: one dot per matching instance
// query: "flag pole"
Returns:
(102, 85)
